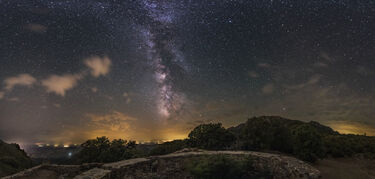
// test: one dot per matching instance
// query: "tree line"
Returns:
(307, 141)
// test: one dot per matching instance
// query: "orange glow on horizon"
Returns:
(347, 127)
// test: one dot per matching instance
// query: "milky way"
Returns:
(162, 53)
(146, 70)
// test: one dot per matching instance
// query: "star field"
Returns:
(152, 70)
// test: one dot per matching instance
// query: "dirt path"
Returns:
(346, 168)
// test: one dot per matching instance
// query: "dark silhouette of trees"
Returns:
(103, 150)
(211, 136)
(169, 147)
(307, 143)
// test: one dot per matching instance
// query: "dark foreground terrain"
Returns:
(184, 164)
(336, 155)
(346, 168)
(12, 159)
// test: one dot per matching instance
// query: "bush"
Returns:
(211, 136)
(220, 166)
(103, 150)
(266, 134)
(348, 145)
(308, 143)
(169, 147)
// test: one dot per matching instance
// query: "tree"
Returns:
(210, 136)
(308, 144)
(103, 150)
(169, 147)
(266, 133)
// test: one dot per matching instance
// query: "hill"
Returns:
(308, 141)
(277, 121)
(12, 159)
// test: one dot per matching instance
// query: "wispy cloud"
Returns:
(313, 80)
(98, 66)
(36, 28)
(60, 84)
(253, 74)
(264, 65)
(20, 80)
(15, 99)
(320, 65)
(327, 57)
(268, 88)
(94, 89)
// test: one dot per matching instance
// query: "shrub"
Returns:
(266, 133)
(169, 147)
(219, 166)
(103, 150)
(210, 136)
(308, 143)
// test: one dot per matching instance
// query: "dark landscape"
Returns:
(187, 89)
(281, 140)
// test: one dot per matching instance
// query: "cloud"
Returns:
(98, 66)
(326, 57)
(320, 65)
(268, 88)
(127, 97)
(20, 80)
(60, 84)
(264, 65)
(94, 89)
(36, 28)
(15, 99)
(253, 74)
(313, 80)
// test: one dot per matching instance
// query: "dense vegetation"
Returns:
(307, 141)
(102, 149)
(12, 159)
(169, 147)
(210, 136)
(224, 167)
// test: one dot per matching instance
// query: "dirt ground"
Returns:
(346, 168)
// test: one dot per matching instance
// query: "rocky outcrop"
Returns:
(12, 159)
(172, 166)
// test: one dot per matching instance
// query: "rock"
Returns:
(172, 166)
(95, 173)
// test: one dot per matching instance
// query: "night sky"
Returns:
(71, 70)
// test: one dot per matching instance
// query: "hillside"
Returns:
(308, 141)
(277, 121)
(305, 140)
(12, 159)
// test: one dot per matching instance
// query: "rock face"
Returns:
(12, 159)
(171, 166)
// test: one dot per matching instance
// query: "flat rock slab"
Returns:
(95, 173)
(171, 166)
(124, 163)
